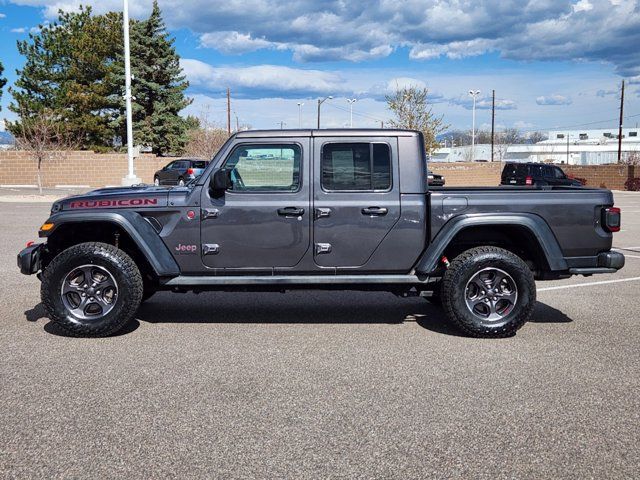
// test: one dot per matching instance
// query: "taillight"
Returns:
(612, 219)
(189, 171)
(528, 181)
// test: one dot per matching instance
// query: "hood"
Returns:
(138, 196)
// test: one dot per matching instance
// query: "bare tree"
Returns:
(205, 138)
(412, 111)
(631, 158)
(535, 137)
(503, 140)
(45, 137)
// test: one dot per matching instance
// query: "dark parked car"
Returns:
(435, 180)
(536, 174)
(180, 172)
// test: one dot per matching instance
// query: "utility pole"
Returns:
(228, 110)
(381, 123)
(282, 124)
(130, 178)
(568, 134)
(493, 121)
(237, 121)
(620, 125)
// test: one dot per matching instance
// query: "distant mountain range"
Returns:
(6, 137)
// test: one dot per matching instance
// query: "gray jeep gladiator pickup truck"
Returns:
(320, 209)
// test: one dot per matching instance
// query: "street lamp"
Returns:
(300, 105)
(351, 101)
(474, 94)
(130, 178)
(320, 102)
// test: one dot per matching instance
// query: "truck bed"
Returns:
(572, 213)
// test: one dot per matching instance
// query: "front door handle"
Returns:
(291, 212)
(375, 211)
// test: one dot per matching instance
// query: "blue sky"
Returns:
(553, 63)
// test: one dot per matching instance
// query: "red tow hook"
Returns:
(30, 243)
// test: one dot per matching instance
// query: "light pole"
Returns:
(320, 102)
(351, 101)
(474, 94)
(300, 105)
(130, 178)
(282, 125)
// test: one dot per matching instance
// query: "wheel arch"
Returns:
(136, 235)
(526, 235)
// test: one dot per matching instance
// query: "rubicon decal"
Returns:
(120, 203)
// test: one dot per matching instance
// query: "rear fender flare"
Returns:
(533, 223)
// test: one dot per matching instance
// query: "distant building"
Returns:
(575, 147)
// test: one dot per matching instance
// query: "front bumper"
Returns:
(607, 262)
(29, 259)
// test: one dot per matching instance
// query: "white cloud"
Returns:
(18, 30)
(582, 6)
(234, 42)
(262, 80)
(358, 30)
(554, 100)
(2, 15)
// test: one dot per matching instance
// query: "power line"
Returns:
(355, 112)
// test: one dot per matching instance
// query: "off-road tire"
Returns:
(463, 268)
(117, 263)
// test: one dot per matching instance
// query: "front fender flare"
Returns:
(533, 223)
(140, 231)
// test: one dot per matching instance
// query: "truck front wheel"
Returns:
(488, 292)
(92, 289)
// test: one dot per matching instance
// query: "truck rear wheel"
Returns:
(488, 292)
(92, 289)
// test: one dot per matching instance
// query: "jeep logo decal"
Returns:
(127, 202)
(180, 248)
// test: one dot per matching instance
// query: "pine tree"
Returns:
(3, 81)
(64, 74)
(158, 88)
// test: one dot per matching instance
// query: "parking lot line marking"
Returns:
(589, 284)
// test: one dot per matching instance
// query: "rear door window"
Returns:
(356, 167)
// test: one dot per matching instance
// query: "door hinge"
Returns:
(210, 249)
(210, 213)
(323, 248)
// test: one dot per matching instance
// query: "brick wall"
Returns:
(75, 168)
(607, 176)
(98, 170)
(461, 174)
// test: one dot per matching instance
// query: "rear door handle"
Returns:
(291, 212)
(375, 211)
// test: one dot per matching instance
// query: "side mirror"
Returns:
(220, 182)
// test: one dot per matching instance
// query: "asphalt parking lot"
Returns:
(322, 384)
